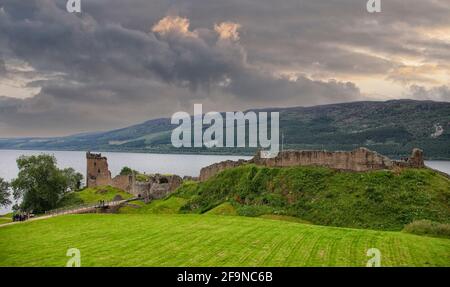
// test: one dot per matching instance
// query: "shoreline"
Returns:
(174, 152)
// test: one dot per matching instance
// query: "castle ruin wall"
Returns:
(359, 160)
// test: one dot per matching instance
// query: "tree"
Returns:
(127, 171)
(41, 184)
(73, 179)
(4, 193)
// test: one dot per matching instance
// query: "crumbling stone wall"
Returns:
(215, 168)
(124, 182)
(158, 186)
(359, 160)
(416, 159)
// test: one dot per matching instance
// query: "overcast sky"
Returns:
(123, 62)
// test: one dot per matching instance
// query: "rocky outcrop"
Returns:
(359, 160)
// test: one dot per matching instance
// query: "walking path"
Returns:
(74, 210)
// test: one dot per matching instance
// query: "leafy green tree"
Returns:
(126, 171)
(41, 184)
(16, 207)
(74, 178)
(4, 193)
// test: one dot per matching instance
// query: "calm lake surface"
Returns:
(149, 163)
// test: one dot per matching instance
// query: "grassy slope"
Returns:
(93, 195)
(172, 205)
(4, 220)
(224, 209)
(377, 200)
(163, 206)
(207, 240)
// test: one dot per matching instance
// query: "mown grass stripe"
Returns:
(208, 240)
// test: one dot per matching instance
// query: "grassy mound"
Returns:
(428, 228)
(224, 209)
(385, 200)
(93, 195)
(163, 206)
(207, 240)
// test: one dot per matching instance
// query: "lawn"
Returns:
(208, 240)
(4, 220)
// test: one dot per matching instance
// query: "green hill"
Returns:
(93, 195)
(169, 205)
(392, 128)
(384, 200)
(207, 240)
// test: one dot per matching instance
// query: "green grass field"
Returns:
(208, 240)
(4, 220)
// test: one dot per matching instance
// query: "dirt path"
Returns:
(32, 219)
(85, 209)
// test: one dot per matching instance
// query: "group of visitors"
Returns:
(21, 216)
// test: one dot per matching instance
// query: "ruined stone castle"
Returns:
(156, 186)
(359, 160)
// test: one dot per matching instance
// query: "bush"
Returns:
(429, 228)
(126, 171)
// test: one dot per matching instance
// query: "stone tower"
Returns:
(97, 173)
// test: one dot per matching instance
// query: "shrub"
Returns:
(126, 171)
(253, 210)
(429, 228)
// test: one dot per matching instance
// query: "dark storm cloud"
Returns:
(106, 67)
(311, 34)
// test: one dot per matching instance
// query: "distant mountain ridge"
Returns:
(392, 128)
